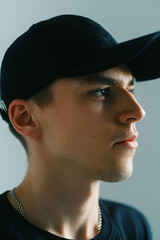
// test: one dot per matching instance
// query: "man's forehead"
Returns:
(108, 77)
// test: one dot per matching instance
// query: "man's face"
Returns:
(90, 126)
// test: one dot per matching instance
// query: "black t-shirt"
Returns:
(119, 222)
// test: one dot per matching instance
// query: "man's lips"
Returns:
(128, 141)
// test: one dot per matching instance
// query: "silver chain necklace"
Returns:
(99, 220)
(22, 212)
(19, 205)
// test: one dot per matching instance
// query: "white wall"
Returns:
(125, 19)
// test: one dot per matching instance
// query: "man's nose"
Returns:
(131, 110)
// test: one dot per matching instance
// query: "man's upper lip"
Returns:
(130, 137)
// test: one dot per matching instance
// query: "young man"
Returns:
(66, 89)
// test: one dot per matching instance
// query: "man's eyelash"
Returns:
(131, 90)
(104, 92)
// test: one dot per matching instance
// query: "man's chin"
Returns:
(118, 176)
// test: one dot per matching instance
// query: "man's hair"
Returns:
(42, 99)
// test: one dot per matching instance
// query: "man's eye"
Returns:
(101, 92)
(131, 90)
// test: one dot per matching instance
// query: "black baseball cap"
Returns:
(68, 46)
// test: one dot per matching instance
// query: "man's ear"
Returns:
(22, 119)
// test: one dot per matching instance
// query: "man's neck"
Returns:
(60, 201)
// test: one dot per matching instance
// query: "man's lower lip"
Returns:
(129, 144)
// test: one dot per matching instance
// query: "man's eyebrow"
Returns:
(100, 79)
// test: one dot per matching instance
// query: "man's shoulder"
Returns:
(121, 211)
(4, 216)
(5, 210)
(3, 202)
(114, 207)
(126, 218)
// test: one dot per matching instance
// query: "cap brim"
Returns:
(142, 55)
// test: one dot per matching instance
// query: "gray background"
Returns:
(125, 19)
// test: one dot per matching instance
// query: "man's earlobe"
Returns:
(22, 119)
